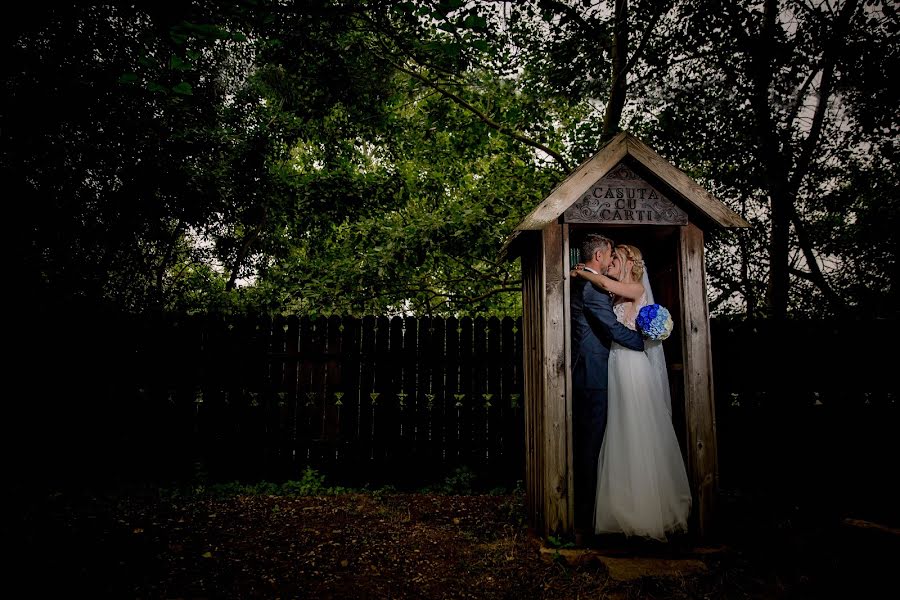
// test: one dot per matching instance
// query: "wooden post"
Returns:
(698, 384)
(557, 404)
(532, 352)
(567, 352)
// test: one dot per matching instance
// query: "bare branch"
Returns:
(815, 130)
(801, 94)
(662, 9)
(589, 29)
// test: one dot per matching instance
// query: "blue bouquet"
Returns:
(655, 322)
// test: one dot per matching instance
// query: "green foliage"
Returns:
(559, 542)
(459, 483)
(514, 507)
(382, 491)
(311, 483)
(234, 488)
(373, 156)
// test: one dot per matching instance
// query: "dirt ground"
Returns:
(399, 545)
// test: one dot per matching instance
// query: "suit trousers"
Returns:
(589, 409)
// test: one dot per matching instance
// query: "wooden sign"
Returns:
(622, 196)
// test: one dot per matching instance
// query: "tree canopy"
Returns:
(367, 156)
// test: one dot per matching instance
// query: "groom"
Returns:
(594, 327)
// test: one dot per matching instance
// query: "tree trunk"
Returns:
(619, 77)
(772, 156)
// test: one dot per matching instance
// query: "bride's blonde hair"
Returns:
(627, 252)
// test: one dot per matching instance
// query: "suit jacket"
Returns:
(594, 327)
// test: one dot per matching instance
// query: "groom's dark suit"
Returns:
(594, 327)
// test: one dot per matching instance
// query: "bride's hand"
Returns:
(578, 267)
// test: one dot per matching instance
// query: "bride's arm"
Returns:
(631, 290)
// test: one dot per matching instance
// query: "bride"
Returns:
(642, 486)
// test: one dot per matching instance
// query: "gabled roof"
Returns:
(685, 192)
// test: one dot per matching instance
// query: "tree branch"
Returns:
(801, 166)
(725, 295)
(650, 72)
(815, 272)
(589, 29)
(662, 9)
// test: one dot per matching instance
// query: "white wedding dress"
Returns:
(642, 486)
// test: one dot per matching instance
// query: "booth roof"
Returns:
(686, 192)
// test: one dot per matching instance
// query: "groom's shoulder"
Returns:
(588, 288)
(594, 293)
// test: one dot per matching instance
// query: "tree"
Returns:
(371, 155)
(107, 129)
(778, 114)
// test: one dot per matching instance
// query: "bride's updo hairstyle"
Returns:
(627, 252)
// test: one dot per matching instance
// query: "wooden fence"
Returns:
(810, 405)
(368, 399)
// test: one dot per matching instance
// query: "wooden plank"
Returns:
(258, 366)
(684, 185)
(306, 415)
(465, 422)
(567, 371)
(381, 398)
(480, 424)
(290, 398)
(449, 422)
(533, 386)
(319, 446)
(509, 399)
(332, 395)
(349, 388)
(402, 371)
(240, 357)
(557, 405)
(702, 460)
(278, 350)
(349, 359)
(492, 398)
(417, 410)
(431, 413)
(247, 437)
(365, 432)
(517, 402)
(511, 366)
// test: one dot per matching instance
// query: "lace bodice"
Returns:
(624, 313)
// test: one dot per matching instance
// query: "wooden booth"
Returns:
(631, 194)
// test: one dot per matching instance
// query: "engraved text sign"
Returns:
(624, 197)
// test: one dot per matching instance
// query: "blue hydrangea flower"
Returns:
(655, 322)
